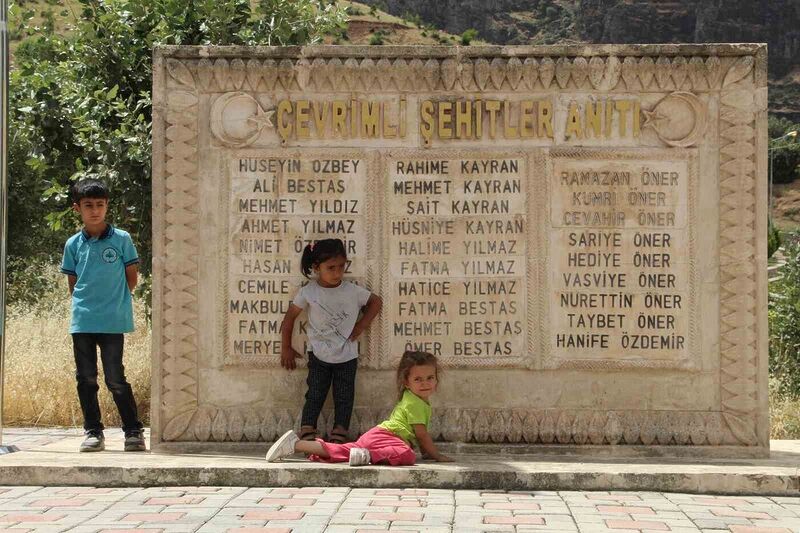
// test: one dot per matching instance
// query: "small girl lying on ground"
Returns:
(391, 441)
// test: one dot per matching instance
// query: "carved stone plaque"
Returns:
(576, 233)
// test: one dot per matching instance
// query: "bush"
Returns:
(784, 323)
(785, 153)
(377, 38)
(468, 36)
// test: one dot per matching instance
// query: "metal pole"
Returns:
(3, 201)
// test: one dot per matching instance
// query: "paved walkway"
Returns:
(349, 510)
(344, 510)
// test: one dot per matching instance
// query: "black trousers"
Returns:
(111, 344)
(321, 376)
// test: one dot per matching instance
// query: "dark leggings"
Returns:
(321, 376)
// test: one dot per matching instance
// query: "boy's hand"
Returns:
(288, 356)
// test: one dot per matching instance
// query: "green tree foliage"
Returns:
(785, 152)
(784, 322)
(81, 102)
(773, 238)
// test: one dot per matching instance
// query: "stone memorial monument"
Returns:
(577, 232)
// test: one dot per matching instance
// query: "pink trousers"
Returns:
(384, 448)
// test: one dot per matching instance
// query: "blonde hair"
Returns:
(409, 360)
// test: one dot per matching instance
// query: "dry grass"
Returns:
(40, 369)
(784, 415)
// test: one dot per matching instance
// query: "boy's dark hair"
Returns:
(319, 252)
(89, 188)
(409, 360)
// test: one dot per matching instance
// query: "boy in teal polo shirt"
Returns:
(101, 264)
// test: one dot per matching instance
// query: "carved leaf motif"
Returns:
(253, 69)
(401, 73)
(697, 72)
(235, 425)
(481, 73)
(286, 73)
(319, 73)
(631, 428)
(238, 73)
(202, 424)
(595, 430)
(177, 426)
(648, 430)
(580, 427)
(697, 429)
(663, 72)
(417, 68)
(679, 71)
(564, 428)
(269, 426)
(180, 100)
(367, 71)
(738, 70)
(303, 73)
(713, 71)
(269, 71)
(738, 133)
(514, 72)
(714, 429)
(384, 68)
(452, 430)
(515, 425)
(741, 428)
(481, 428)
(547, 69)
(497, 72)
(580, 71)
(613, 72)
(498, 427)
(664, 424)
(219, 427)
(205, 74)
(647, 70)
(180, 72)
(736, 116)
(449, 69)
(613, 428)
(431, 73)
(252, 426)
(563, 71)
(467, 74)
(597, 68)
(530, 428)
(336, 73)
(435, 425)
(680, 427)
(221, 72)
(530, 72)
(630, 72)
(283, 421)
(547, 428)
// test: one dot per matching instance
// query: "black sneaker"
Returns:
(134, 441)
(94, 441)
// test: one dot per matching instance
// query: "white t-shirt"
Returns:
(332, 313)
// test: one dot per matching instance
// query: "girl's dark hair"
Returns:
(319, 252)
(409, 360)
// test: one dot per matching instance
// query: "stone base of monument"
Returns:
(477, 467)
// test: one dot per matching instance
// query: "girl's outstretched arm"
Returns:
(289, 354)
(427, 446)
(371, 310)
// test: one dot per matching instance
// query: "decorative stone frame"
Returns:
(734, 75)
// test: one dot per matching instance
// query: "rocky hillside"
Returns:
(776, 22)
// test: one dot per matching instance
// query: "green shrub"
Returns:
(468, 36)
(784, 322)
(773, 238)
(377, 38)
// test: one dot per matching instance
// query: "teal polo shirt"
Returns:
(101, 301)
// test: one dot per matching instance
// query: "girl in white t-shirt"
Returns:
(333, 306)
